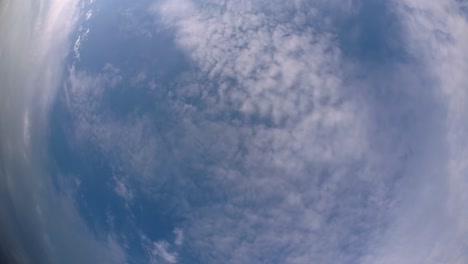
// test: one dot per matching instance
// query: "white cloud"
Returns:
(76, 47)
(123, 191)
(36, 218)
(283, 149)
(176, 9)
(161, 250)
(179, 237)
(295, 168)
(298, 178)
(430, 226)
(293, 88)
(83, 29)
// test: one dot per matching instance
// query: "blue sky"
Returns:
(234, 131)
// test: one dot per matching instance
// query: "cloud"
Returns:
(128, 139)
(429, 227)
(175, 9)
(78, 42)
(294, 166)
(136, 153)
(304, 132)
(36, 217)
(265, 147)
(123, 191)
(309, 113)
(179, 237)
(161, 249)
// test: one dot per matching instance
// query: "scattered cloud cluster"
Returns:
(267, 151)
(379, 149)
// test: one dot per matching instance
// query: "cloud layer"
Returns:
(290, 139)
(298, 132)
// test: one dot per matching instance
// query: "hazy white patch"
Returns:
(179, 236)
(152, 85)
(175, 9)
(67, 96)
(82, 87)
(89, 14)
(130, 141)
(139, 78)
(161, 250)
(123, 191)
(27, 128)
(118, 254)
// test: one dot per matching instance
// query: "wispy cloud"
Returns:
(179, 237)
(430, 227)
(36, 218)
(161, 250)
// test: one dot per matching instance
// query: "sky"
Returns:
(233, 131)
